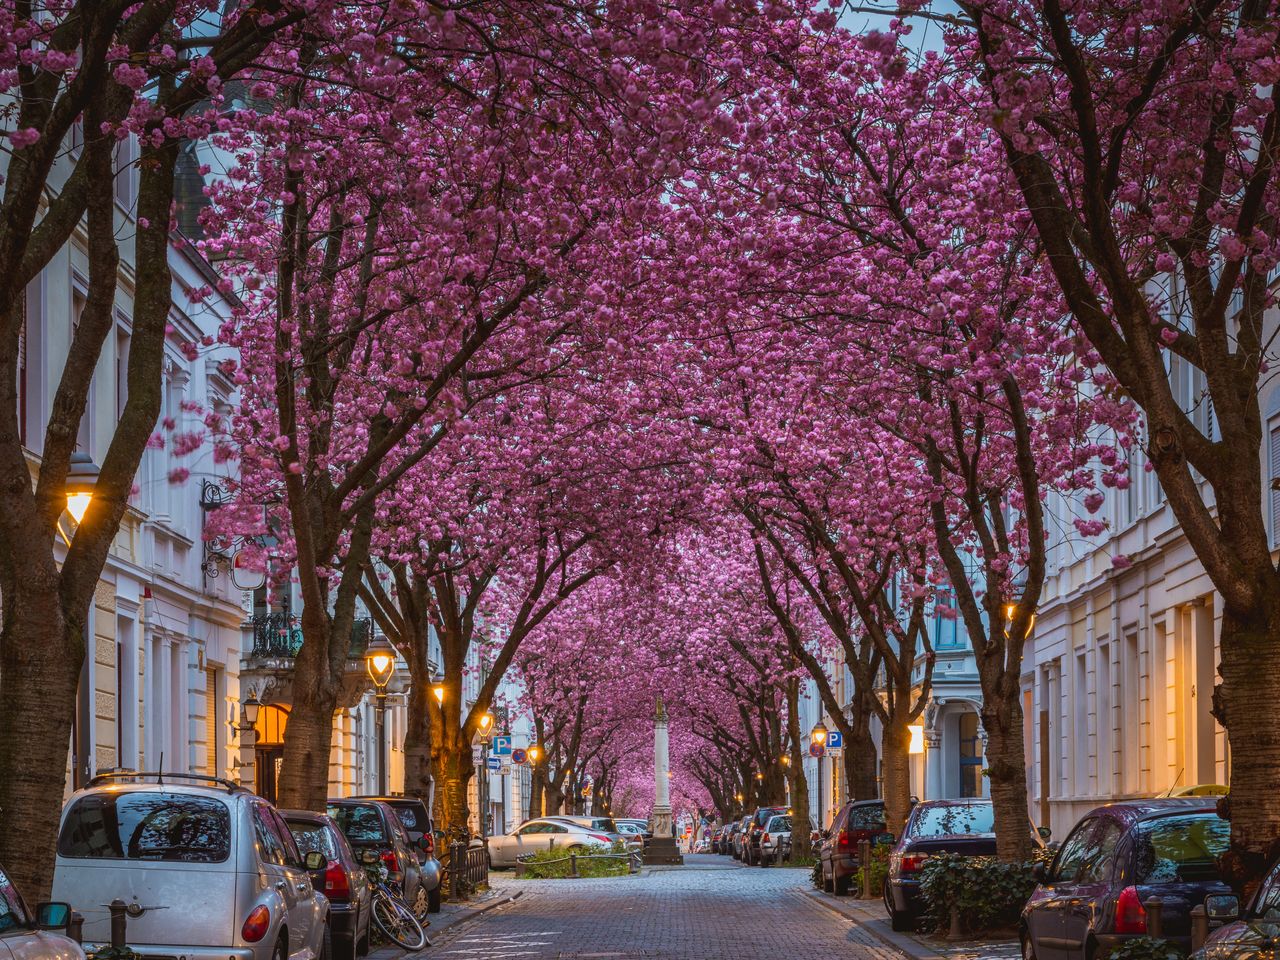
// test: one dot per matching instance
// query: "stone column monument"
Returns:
(662, 849)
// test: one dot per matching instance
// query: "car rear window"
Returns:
(147, 826)
(779, 825)
(12, 913)
(953, 820)
(413, 817)
(359, 823)
(1187, 848)
(867, 817)
(313, 836)
(604, 823)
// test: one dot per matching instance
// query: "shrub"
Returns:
(554, 864)
(815, 875)
(988, 892)
(1146, 948)
(878, 866)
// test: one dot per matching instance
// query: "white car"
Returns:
(544, 833)
(34, 937)
(775, 842)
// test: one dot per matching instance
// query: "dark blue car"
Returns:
(1094, 895)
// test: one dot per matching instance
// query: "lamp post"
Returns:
(249, 709)
(818, 737)
(535, 754)
(482, 793)
(380, 661)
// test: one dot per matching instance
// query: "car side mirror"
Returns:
(883, 838)
(1045, 833)
(369, 857)
(1040, 872)
(315, 860)
(53, 915)
(1222, 906)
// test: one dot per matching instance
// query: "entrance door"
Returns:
(970, 755)
(267, 762)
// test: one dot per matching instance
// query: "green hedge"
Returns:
(1145, 948)
(989, 893)
(539, 866)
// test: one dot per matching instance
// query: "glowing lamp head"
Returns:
(437, 690)
(486, 721)
(81, 482)
(380, 661)
(535, 753)
(818, 734)
(916, 746)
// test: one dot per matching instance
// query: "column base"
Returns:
(662, 851)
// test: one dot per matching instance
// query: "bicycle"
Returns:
(392, 915)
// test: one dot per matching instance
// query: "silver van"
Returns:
(206, 870)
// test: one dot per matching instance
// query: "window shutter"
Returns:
(1274, 473)
(22, 369)
(211, 720)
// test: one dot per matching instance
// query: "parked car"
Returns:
(38, 935)
(775, 840)
(641, 827)
(421, 828)
(373, 825)
(740, 837)
(342, 878)
(856, 821)
(543, 833)
(966, 827)
(754, 829)
(1250, 932)
(1091, 900)
(633, 833)
(719, 841)
(210, 870)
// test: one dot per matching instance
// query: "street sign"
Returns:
(816, 750)
(505, 770)
(475, 755)
(519, 756)
(495, 763)
(835, 740)
(501, 747)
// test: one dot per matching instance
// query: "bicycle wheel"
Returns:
(397, 922)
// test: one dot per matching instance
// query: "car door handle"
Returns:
(281, 885)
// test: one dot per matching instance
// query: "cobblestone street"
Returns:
(712, 909)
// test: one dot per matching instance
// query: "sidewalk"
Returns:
(450, 915)
(870, 916)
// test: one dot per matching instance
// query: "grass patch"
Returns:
(554, 864)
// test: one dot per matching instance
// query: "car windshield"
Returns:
(953, 819)
(11, 912)
(359, 822)
(1186, 848)
(604, 823)
(313, 836)
(147, 826)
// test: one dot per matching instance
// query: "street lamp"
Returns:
(249, 712)
(437, 690)
(535, 754)
(380, 661)
(486, 731)
(79, 488)
(818, 737)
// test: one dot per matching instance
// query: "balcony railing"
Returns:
(276, 636)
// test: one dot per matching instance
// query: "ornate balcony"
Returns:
(271, 643)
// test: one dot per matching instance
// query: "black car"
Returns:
(372, 825)
(856, 821)
(754, 828)
(1092, 898)
(343, 880)
(965, 827)
(421, 828)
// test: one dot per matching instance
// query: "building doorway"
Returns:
(970, 755)
(268, 750)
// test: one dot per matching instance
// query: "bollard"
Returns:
(519, 868)
(633, 863)
(1199, 927)
(119, 919)
(75, 927)
(864, 861)
(1155, 917)
(573, 866)
(956, 932)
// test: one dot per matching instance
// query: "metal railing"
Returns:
(633, 862)
(276, 636)
(466, 869)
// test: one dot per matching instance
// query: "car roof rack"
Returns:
(115, 776)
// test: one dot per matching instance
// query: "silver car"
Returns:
(206, 869)
(33, 937)
(543, 834)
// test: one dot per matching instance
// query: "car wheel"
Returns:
(899, 922)
(841, 885)
(326, 943)
(433, 900)
(281, 951)
(1028, 947)
(421, 905)
(362, 939)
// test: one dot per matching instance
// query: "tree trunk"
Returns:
(304, 772)
(417, 743)
(452, 775)
(47, 650)
(895, 747)
(1007, 772)
(801, 828)
(860, 761)
(535, 793)
(1244, 703)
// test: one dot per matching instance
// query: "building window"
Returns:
(1273, 459)
(212, 722)
(970, 756)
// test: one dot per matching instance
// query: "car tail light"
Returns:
(335, 880)
(392, 863)
(599, 837)
(843, 839)
(429, 844)
(1131, 916)
(256, 924)
(912, 862)
(765, 839)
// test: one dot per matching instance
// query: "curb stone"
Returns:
(876, 926)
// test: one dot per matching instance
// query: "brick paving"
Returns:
(711, 909)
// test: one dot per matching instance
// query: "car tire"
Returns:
(1028, 946)
(281, 950)
(362, 939)
(326, 943)
(433, 900)
(840, 886)
(898, 922)
(421, 905)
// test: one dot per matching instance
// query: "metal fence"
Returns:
(277, 636)
(466, 869)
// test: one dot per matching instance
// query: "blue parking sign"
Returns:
(835, 740)
(501, 747)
